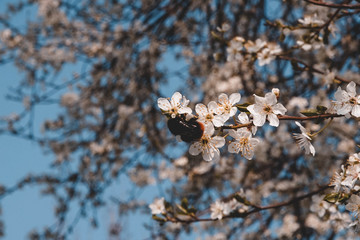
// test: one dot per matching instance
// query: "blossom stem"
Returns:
(322, 129)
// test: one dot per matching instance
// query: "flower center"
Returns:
(209, 117)
(204, 141)
(353, 101)
(267, 109)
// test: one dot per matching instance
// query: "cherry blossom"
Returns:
(266, 108)
(158, 206)
(208, 146)
(208, 114)
(243, 143)
(354, 204)
(234, 49)
(217, 210)
(177, 105)
(226, 104)
(244, 119)
(347, 101)
(303, 139)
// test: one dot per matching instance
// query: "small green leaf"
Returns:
(336, 197)
(321, 109)
(243, 107)
(310, 112)
(159, 219)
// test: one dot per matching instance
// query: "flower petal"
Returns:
(279, 109)
(195, 149)
(351, 89)
(270, 98)
(260, 100)
(251, 109)
(201, 109)
(218, 121)
(243, 118)
(273, 119)
(223, 99)
(164, 104)
(234, 147)
(259, 120)
(211, 153)
(213, 107)
(343, 109)
(234, 98)
(175, 99)
(218, 141)
(356, 111)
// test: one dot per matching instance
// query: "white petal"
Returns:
(248, 154)
(209, 129)
(341, 95)
(211, 153)
(185, 110)
(270, 98)
(218, 121)
(254, 142)
(213, 107)
(175, 99)
(356, 111)
(273, 119)
(351, 89)
(234, 134)
(259, 120)
(279, 109)
(234, 147)
(218, 141)
(234, 98)
(243, 118)
(223, 99)
(344, 109)
(233, 111)
(302, 129)
(312, 149)
(195, 149)
(251, 109)
(164, 104)
(201, 109)
(260, 100)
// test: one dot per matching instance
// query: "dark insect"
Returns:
(189, 130)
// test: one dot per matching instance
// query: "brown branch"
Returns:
(255, 208)
(310, 68)
(334, 5)
(287, 117)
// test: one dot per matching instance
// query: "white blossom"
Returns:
(244, 119)
(304, 140)
(234, 49)
(311, 21)
(243, 143)
(208, 114)
(347, 101)
(268, 54)
(354, 204)
(208, 146)
(226, 104)
(266, 108)
(253, 47)
(177, 105)
(217, 210)
(158, 206)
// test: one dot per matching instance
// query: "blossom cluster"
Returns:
(265, 52)
(214, 116)
(346, 186)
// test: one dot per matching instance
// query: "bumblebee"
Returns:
(188, 130)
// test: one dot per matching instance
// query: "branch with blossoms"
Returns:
(205, 129)
(234, 206)
(334, 5)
